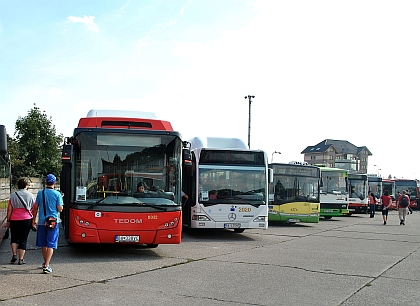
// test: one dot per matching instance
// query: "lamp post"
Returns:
(272, 155)
(249, 120)
(377, 170)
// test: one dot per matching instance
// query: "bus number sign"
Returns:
(232, 225)
(127, 238)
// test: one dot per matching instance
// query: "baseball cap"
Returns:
(50, 179)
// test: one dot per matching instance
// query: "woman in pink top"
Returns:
(386, 201)
(19, 219)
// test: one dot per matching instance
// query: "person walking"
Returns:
(402, 204)
(386, 201)
(49, 203)
(410, 210)
(372, 204)
(19, 219)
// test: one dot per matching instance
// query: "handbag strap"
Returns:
(24, 204)
(43, 201)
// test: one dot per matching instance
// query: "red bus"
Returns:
(108, 155)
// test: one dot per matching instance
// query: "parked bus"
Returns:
(411, 187)
(375, 186)
(5, 186)
(294, 193)
(389, 185)
(358, 193)
(227, 185)
(334, 192)
(109, 154)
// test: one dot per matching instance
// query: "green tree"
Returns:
(36, 149)
(15, 158)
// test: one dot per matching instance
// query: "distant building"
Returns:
(339, 154)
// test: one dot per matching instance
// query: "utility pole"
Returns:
(249, 120)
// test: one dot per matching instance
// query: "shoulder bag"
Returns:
(27, 209)
(50, 222)
(24, 204)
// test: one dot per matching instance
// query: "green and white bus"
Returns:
(334, 192)
(294, 193)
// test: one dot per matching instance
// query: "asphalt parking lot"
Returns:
(352, 260)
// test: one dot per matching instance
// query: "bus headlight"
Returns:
(200, 218)
(259, 219)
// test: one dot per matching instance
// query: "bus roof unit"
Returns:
(218, 143)
(123, 120)
(120, 113)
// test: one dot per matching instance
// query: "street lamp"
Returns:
(272, 155)
(249, 120)
(377, 170)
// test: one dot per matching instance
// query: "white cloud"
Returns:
(87, 20)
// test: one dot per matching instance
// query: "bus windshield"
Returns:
(295, 188)
(357, 187)
(232, 184)
(389, 186)
(333, 183)
(114, 164)
(407, 185)
(376, 188)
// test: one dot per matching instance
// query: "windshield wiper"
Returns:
(159, 207)
(95, 204)
(206, 203)
(246, 202)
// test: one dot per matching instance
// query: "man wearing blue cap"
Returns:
(49, 203)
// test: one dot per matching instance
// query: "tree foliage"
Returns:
(36, 149)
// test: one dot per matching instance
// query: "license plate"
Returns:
(293, 220)
(352, 209)
(127, 238)
(328, 210)
(232, 225)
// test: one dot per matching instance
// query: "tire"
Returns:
(152, 246)
(327, 217)
(239, 230)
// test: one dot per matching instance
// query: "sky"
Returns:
(343, 70)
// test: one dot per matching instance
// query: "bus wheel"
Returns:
(239, 230)
(327, 217)
(152, 246)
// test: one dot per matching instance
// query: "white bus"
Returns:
(358, 193)
(375, 186)
(227, 185)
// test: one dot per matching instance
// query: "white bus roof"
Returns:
(217, 143)
(120, 113)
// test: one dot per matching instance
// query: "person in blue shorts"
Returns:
(49, 203)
